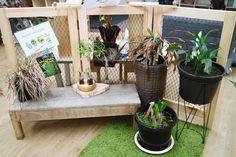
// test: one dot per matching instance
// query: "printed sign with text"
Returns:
(37, 38)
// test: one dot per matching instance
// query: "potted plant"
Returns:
(27, 83)
(155, 126)
(152, 56)
(199, 74)
(108, 33)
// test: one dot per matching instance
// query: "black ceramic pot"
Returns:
(159, 138)
(198, 89)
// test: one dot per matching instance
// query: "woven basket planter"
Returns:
(150, 83)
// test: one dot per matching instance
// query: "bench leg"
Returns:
(17, 126)
(135, 126)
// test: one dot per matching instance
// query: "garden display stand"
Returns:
(189, 117)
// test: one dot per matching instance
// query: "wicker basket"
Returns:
(150, 83)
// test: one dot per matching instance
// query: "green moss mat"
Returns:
(116, 139)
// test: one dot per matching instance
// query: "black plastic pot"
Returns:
(198, 89)
(100, 61)
(150, 83)
(156, 139)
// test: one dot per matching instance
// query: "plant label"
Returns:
(48, 64)
(37, 38)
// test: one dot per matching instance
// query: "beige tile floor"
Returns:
(67, 138)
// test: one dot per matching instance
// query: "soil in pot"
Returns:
(156, 139)
(150, 83)
(199, 88)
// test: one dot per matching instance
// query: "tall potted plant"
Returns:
(152, 56)
(199, 74)
(155, 126)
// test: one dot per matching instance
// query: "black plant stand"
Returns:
(189, 117)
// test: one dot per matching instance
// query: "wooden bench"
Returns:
(64, 103)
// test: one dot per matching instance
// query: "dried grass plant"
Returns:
(27, 83)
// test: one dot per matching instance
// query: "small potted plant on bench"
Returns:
(152, 56)
(198, 71)
(86, 82)
(27, 83)
(155, 127)
(109, 34)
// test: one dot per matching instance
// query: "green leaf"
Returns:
(207, 65)
(213, 53)
(203, 48)
(180, 52)
(205, 36)
(151, 32)
(161, 106)
(173, 47)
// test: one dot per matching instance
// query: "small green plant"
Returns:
(201, 56)
(99, 49)
(155, 116)
(85, 49)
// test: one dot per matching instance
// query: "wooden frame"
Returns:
(71, 13)
(153, 18)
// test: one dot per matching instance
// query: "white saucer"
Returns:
(170, 146)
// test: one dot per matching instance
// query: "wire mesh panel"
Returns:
(62, 52)
(134, 24)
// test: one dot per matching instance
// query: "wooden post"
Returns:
(83, 31)
(158, 21)
(147, 19)
(17, 126)
(225, 43)
(74, 41)
(8, 40)
(226, 37)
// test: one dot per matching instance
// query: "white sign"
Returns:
(37, 38)
(100, 3)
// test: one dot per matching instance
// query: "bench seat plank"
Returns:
(60, 98)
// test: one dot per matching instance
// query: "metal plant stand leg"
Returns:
(189, 119)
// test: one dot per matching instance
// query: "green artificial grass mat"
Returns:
(116, 139)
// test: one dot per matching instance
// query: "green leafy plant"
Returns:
(155, 117)
(153, 46)
(201, 56)
(85, 49)
(99, 49)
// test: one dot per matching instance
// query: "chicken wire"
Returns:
(62, 53)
